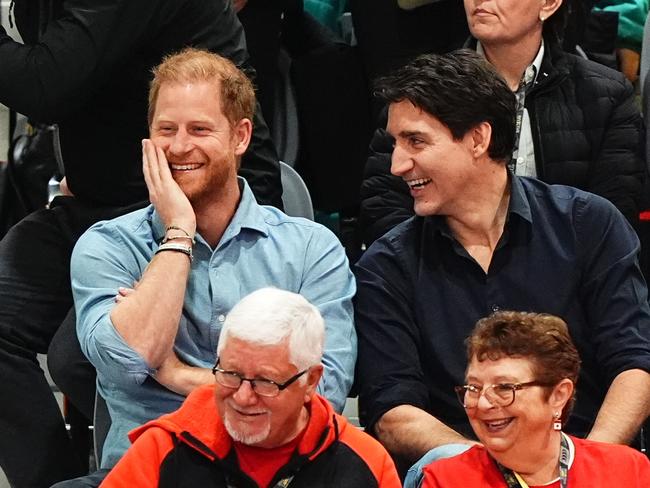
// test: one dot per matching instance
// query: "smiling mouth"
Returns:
(418, 183)
(494, 426)
(184, 167)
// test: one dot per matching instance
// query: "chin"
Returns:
(246, 433)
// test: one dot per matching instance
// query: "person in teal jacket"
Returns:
(631, 20)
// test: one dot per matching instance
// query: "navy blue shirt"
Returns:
(563, 251)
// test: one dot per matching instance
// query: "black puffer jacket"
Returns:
(86, 65)
(586, 131)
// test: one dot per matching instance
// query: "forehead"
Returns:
(503, 369)
(405, 118)
(244, 355)
(179, 99)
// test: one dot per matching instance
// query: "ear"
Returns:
(561, 394)
(313, 377)
(479, 139)
(242, 132)
(549, 7)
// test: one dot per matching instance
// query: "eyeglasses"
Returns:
(261, 386)
(499, 395)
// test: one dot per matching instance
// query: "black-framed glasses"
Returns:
(499, 395)
(261, 386)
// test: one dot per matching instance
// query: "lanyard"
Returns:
(514, 480)
(526, 82)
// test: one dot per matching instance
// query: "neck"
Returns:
(482, 217)
(214, 216)
(512, 59)
(535, 466)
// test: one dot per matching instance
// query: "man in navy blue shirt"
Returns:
(482, 240)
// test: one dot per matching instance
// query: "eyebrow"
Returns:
(410, 133)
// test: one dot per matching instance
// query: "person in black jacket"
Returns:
(580, 125)
(86, 65)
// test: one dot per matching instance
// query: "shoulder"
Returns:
(369, 451)
(596, 456)
(132, 226)
(474, 465)
(567, 200)
(595, 76)
(401, 240)
(278, 221)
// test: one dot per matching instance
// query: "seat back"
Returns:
(101, 424)
(295, 195)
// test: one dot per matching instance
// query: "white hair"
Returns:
(269, 316)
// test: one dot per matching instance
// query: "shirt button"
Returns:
(495, 308)
(221, 318)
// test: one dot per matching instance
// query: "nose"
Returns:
(245, 395)
(401, 162)
(484, 402)
(181, 142)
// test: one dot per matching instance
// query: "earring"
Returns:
(542, 18)
(557, 424)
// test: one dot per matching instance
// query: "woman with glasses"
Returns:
(518, 392)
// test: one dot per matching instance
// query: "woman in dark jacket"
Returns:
(578, 118)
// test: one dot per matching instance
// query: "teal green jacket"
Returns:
(631, 19)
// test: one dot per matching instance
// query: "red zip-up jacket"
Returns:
(191, 447)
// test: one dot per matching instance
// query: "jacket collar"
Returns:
(197, 423)
(555, 62)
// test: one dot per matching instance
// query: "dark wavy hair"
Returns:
(542, 338)
(460, 89)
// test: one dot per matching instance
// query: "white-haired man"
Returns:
(202, 245)
(261, 423)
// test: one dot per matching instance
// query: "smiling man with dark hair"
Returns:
(485, 239)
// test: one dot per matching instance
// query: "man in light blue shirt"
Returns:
(179, 265)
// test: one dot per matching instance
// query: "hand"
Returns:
(239, 4)
(123, 292)
(164, 193)
(168, 373)
(181, 378)
(629, 61)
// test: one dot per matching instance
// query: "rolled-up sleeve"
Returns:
(389, 371)
(102, 262)
(329, 285)
(614, 292)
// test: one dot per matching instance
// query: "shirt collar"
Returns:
(518, 205)
(247, 216)
(532, 71)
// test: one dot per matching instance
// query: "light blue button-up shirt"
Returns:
(260, 247)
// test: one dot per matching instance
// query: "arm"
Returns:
(393, 396)
(626, 407)
(329, 285)
(148, 318)
(181, 378)
(411, 432)
(618, 172)
(614, 296)
(49, 77)
(385, 199)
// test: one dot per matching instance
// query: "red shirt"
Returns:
(595, 464)
(261, 464)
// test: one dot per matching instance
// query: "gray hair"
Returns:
(269, 316)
